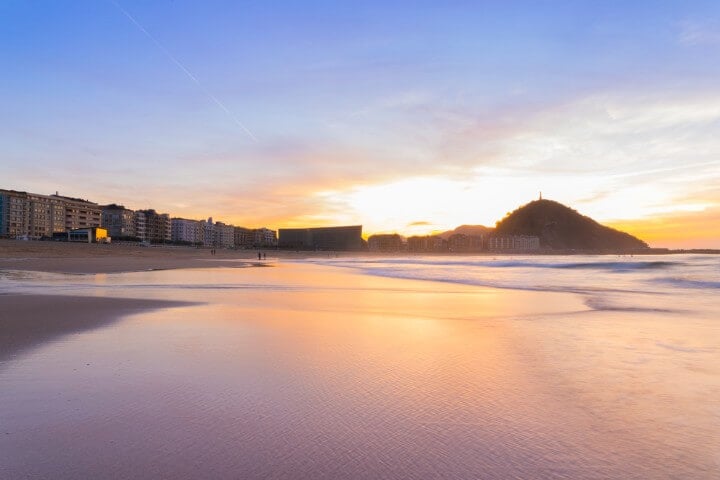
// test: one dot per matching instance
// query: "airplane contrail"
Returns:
(185, 70)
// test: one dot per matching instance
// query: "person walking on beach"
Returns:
(259, 256)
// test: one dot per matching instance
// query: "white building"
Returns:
(187, 231)
(517, 243)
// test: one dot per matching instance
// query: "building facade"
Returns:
(118, 221)
(427, 243)
(37, 216)
(80, 213)
(323, 238)
(459, 242)
(517, 243)
(244, 237)
(151, 226)
(385, 243)
(224, 235)
(264, 237)
(187, 231)
(13, 213)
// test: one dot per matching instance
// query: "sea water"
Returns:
(574, 367)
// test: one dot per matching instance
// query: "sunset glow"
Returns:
(402, 118)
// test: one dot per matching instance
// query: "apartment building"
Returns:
(244, 237)
(152, 226)
(385, 243)
(118, 221)
(13, 216)
(80, 213)
(518, 243)
(187, 231)
(459, 242)
(36, 216)
(428, 243)
(264, 237)
(224, 235)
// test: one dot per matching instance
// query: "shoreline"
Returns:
(29, 320)
(81, 258)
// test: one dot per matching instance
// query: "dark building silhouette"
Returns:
(323, 238)
(427, 243)
(386, 243)
(459, 242)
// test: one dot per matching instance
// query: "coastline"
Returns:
(80, 258)
(27, 321)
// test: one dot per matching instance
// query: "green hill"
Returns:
(562, 228)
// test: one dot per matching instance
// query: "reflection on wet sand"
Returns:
(305, 371)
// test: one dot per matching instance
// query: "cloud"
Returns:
(699, 32)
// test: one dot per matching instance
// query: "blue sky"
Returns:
(382, 113)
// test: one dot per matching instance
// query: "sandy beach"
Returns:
(96, 258)
(304, 370)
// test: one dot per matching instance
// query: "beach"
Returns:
(99, 258)
(349, 368)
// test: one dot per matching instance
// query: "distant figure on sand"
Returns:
(259, 256)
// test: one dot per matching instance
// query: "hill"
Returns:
(562, 228)
(469, 230)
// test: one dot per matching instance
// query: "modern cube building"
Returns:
(323, 238)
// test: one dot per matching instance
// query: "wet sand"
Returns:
(27, 321)
(308, 371)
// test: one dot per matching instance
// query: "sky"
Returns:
(408, 117)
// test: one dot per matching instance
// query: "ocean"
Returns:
(459, 367)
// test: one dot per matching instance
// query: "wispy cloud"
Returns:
(699, 32)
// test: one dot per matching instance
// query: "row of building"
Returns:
(454, 243)
(35, 216)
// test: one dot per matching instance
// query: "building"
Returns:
(459, 242)
(13, 213)
(208, 232)
(386, 243)
(45, 215)
(264, 237)
(118, 221)
(224, 235)
(151, 226)
(187, 231)
(37, 216)
(80, 213)
(323, 238)
(140, 224)
(244, 237)
(88, 235)
(427, 243)
(516, 243)
(526, 243)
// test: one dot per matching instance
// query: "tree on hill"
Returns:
(561, 227)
